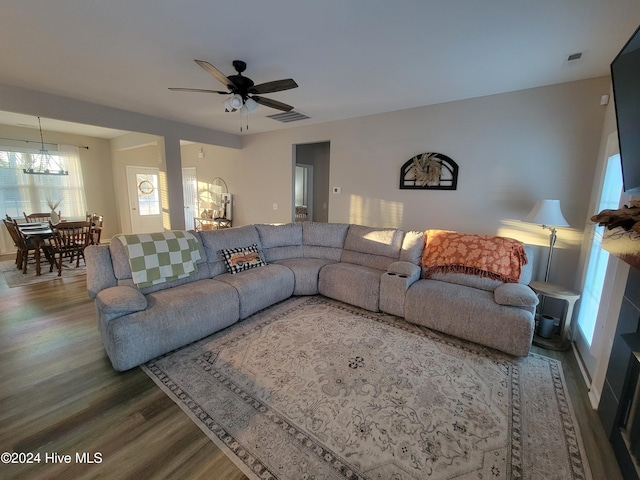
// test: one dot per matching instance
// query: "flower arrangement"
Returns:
(53, 205)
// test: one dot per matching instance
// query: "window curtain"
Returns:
(25, 193)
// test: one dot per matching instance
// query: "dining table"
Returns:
(38, 233)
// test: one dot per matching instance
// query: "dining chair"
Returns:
(96, 227)
(15, 237)
(69, 239)
(37, 217)
(23, 245)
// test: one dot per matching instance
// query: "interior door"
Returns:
(190, 196)
(145, 208)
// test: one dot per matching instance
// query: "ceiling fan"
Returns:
(246, 95)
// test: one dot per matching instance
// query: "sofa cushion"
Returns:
(174, 317)
(260, 288)
(306, 272)
(412, 247)
(372, 247)
(355, 284)
(484, 283)
(471, 314)
(491, 256)
(280, 241)
(242, 258)
(323, 240)
(120, 257)
(99, 269)
(216, 240)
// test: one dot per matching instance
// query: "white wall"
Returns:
(512, 149)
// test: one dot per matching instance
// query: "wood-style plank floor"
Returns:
(60, 395)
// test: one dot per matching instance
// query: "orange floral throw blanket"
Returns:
(498, 258)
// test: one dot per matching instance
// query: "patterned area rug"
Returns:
(313, 388)
(15, 278)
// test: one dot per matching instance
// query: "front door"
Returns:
(145, 209)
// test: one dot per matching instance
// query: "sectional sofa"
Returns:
(377, 269)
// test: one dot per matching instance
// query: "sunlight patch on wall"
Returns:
(375, 212)
(532, 234)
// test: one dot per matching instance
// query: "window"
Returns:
(598, 257)
(148, 199)
(21, 192)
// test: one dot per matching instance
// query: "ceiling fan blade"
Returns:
(221, 77)
(267, 102)
(178, 89)
(275, 86)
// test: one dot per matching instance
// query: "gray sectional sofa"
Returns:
(373, 268)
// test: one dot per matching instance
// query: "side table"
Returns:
(211, 223)
(552, 290)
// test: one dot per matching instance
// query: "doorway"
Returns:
(145, 209)
(310, 174)
(303, 193)
(190, 196)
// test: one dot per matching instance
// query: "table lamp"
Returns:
(548, 214)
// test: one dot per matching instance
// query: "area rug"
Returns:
(314, 388)
(15, 278)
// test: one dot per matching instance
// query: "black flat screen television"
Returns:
(625, 75)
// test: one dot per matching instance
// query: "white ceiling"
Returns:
(349, 57)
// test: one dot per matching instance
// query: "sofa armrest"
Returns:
(394, 284)
(516, 295)
(122, 300)
(408, 269)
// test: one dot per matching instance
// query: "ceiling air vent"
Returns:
(574, 56)
(287, 117)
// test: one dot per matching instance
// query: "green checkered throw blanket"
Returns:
(161, 257)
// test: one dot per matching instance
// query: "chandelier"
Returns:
(43, 163)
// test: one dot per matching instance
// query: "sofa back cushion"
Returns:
(122, 268)
(412, 247)
(215, 241)
(484, 283)
(323, 240)
(372, 247)
(280, 241)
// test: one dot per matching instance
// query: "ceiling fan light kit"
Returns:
(233, 103)
(244, 92)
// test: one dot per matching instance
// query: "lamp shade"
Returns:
(547, 212)
(236, 101)
(251, 105)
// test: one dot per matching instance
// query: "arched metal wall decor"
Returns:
(429, 171)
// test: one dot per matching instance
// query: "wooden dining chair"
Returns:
(23, 245)
(37, 217)
(15, 237)
(69, 239)
(96, 227)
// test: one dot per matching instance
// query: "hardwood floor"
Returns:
(59, 394)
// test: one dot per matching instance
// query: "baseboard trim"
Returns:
(594, 394)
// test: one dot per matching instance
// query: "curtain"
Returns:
(26, 193)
